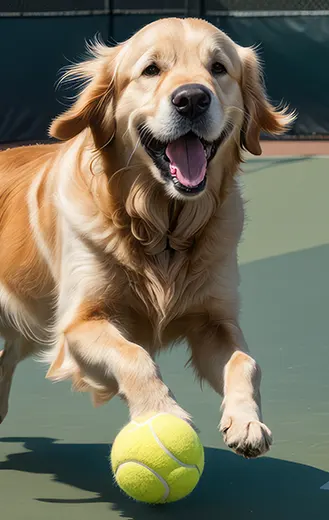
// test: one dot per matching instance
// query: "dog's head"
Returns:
(174, 97)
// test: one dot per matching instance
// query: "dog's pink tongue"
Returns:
(187, 160)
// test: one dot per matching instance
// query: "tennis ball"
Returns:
(157, 458)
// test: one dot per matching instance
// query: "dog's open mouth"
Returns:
(184, 161)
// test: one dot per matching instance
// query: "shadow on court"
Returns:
(231, 487)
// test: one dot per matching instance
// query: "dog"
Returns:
(121, 238)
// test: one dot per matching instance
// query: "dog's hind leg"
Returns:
(15, 350)
(9, 357)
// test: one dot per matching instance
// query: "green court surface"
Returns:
(54, 445)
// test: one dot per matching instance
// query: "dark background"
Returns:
(39, 37)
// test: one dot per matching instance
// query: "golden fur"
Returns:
(101, 266)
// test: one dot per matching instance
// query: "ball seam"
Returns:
(168, 452)
(148, 421)
(161, 479)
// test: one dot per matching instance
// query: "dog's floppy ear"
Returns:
(93, 104)
(260, 115)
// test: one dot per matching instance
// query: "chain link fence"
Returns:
(270, 6)
(182, 7)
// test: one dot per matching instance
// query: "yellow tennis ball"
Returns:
(157, 458)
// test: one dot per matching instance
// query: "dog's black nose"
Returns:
(191, 100)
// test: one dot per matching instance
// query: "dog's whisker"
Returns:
(132, 153)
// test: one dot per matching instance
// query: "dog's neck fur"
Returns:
(139, 207)
(159, 241)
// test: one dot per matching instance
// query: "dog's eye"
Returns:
(151, 70)
(218, 68)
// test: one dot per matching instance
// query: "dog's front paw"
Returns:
(174, 409)
(247, 438)
(164, 406)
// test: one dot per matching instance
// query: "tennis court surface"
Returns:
(54, 446)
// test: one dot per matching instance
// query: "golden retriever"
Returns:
(122, 238)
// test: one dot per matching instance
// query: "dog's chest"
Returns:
(160, 288)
